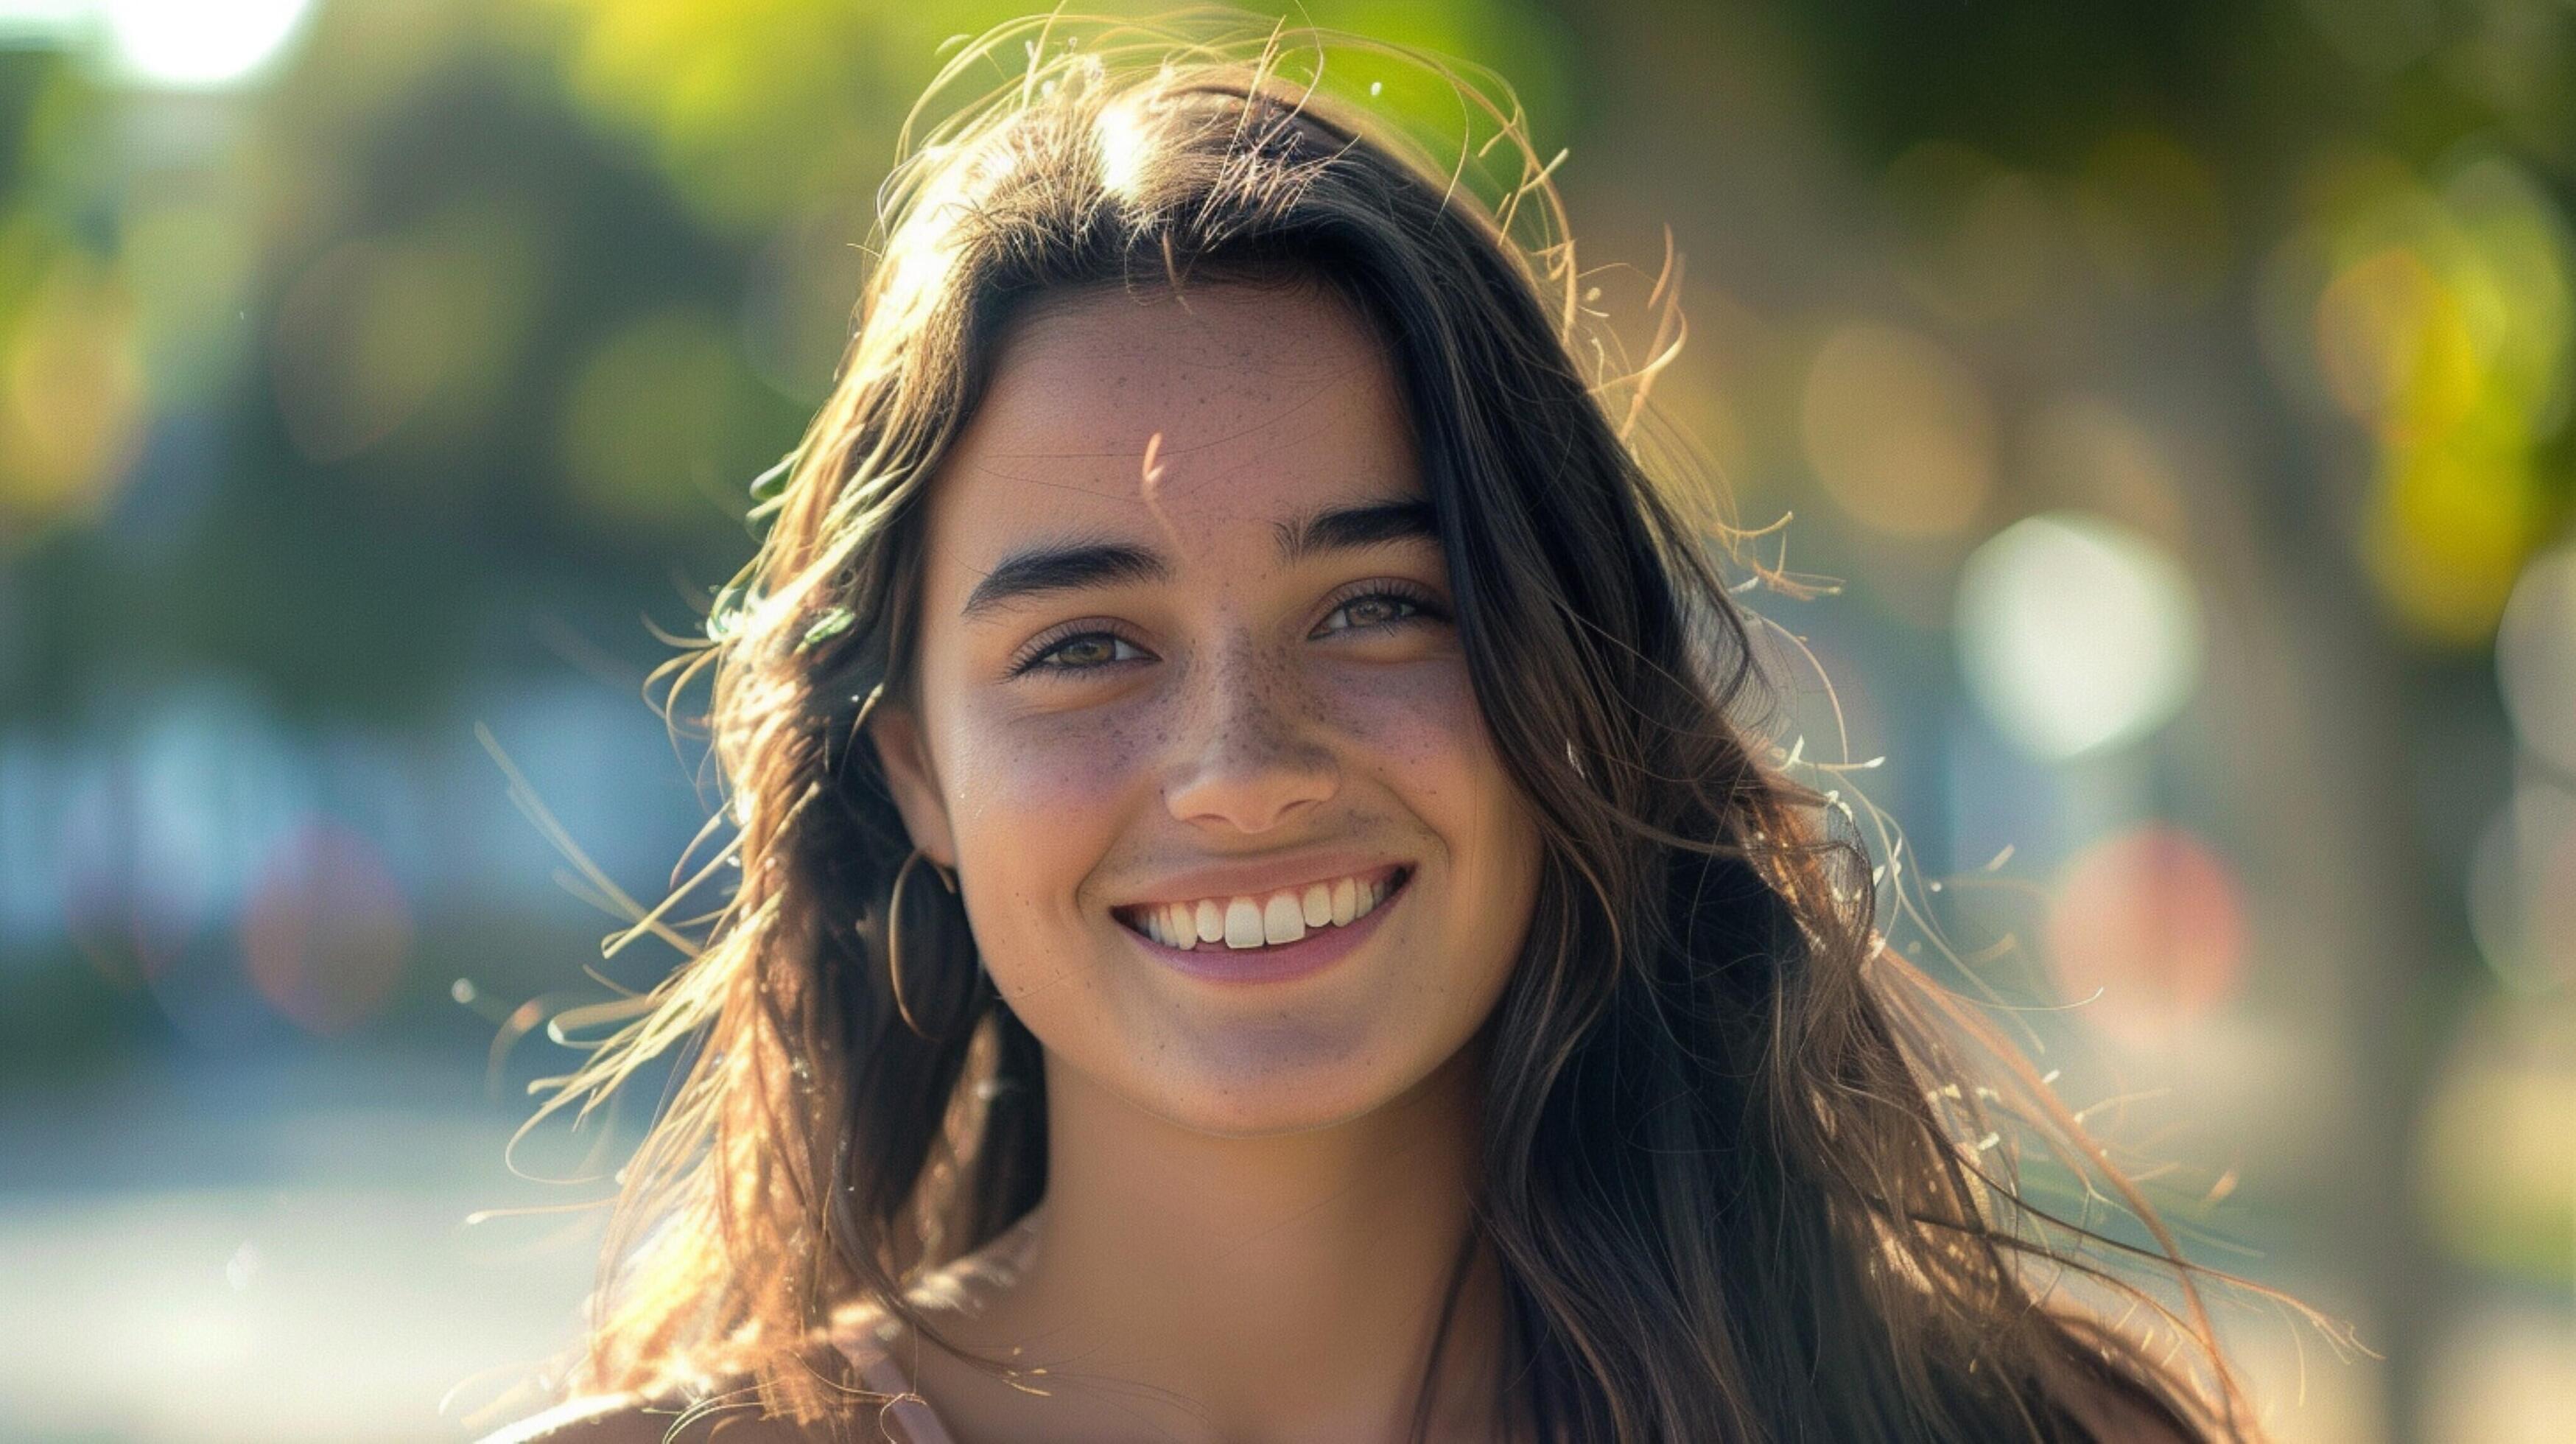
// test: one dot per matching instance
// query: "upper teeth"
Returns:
(1256, 921)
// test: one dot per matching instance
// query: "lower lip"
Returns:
(1319, 949)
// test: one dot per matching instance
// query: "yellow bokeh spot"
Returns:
(71, 396)
(2440, 324)
(1899, 431)
(743, 104)
(2396, 348)
(2497, 1150)
(2446, 532)
(2512, 274)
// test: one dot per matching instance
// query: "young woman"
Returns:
(1258, 916)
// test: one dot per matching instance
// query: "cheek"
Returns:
(1069, 764)
(1036, 803)
(1431, 739)
(1420, 728)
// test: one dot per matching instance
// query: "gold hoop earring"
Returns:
(894, 934)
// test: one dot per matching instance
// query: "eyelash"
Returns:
(1033, 658)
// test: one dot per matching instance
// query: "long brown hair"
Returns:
(1731, 1175)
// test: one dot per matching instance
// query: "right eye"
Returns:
(1080, 652)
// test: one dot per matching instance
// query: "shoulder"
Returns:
(599, 1419)
(721, 1408)
(634, 1419)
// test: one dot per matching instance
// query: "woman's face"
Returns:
(1187, 660)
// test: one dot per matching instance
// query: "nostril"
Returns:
(1248, 812)
(1256, 787)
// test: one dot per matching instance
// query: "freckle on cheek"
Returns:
(1022, 774)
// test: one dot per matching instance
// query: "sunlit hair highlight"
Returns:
(1733, 1179)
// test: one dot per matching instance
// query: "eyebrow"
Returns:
(1063, 567)
(1349, 528)
(1071, 566)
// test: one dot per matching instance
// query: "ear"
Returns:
(914, 781)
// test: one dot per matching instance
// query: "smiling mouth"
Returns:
(1247, 922)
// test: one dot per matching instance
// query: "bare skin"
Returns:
(1255, 1193)
(1234, 1312)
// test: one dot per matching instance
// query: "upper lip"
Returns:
(1257, 877)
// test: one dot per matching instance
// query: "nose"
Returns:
(1250, 754)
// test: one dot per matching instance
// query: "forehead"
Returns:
(1119, 413)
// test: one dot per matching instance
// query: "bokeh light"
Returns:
(2147, 933)
(2498, 1157)
(2536, 657)
(1898, 431)
(2395, 346)
(747, 107)
(199, 44)
(71, 387)
(2522, 888)
(2503, 1373)
(325, 929)
(2077, 634)
(2446, 530)
(2439, 325)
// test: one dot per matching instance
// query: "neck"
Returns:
(1274, 1288)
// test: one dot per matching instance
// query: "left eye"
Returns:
(1090, 649)
(1372, 609)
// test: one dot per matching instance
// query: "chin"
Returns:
(1254, 1079)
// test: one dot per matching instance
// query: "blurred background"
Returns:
(2178, 393)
